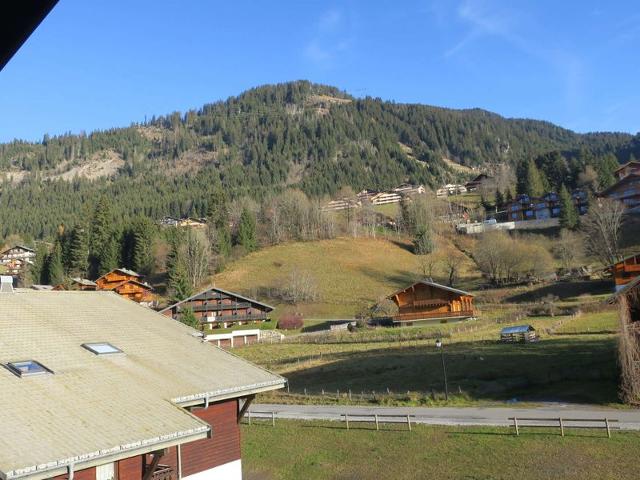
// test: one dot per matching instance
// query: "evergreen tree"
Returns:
(568, 212)
(499, 199)
(534, 181)
(77, 252)
(38, 272)
(218, 222)
(55, 266)
(103, 248)
(605, 168)
(423, 241)
(177, 277)
(142, 254)
(247, 230)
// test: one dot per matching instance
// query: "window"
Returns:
(101, 348)
(105, 472)
(28, 368)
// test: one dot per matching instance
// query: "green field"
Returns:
(350, 273)
(325, 450)
(601, 322)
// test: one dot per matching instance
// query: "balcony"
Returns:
(163, 472)
(409, 317)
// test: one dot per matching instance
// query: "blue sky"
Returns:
(93, 65)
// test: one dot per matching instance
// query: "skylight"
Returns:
(101, 348)
(28, 368)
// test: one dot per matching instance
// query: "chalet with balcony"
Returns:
(220, 308)
(426, 300)
(128, 284)
(130, 394)
(482, 180)
(17, 258)
(83, 284)
(524, 207)
(627, 188)
(625, 270)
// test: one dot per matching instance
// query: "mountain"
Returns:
(297, 134)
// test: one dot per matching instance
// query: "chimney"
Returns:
(6, 284)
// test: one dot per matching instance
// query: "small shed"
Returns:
(518, 334)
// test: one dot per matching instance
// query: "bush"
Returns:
(291, 321)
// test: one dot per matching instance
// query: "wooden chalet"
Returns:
(426, 300)
(126, 283)
(83, 284)
(477, 182)
(625, 270)
(626, 190)
(16, 258)
(130, 394)
(220, 308)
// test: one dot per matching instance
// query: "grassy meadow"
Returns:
(320, 450)
(350, 273)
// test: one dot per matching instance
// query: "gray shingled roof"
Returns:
(92, 406)
(434, 285)
(220, 290)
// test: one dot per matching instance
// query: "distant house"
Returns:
(548, 206)
(183, 222)
(220, 308)
(341, 204)
(408, 189)
(17, 258)
(116, 392)
(518, 334)
(384, 198)
(625, 270)
(627, 188)
(479, 181)
(127, 283)
(83, 284)
(426, 300)
(450, 189)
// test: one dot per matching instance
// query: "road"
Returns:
(487, 416)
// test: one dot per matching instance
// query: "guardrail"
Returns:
(562, 423)
(347, 418)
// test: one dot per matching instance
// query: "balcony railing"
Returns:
(235, 318)
(407, 317)
(163, 472)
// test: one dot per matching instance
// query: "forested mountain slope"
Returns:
(297, 134)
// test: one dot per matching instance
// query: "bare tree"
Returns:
(568, 248)
(601, 226)
(453, 260)
(300, 286)
(196, 258)
(428, 264)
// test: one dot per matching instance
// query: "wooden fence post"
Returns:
(288, 387)
(346, 419)
(349, 394)
(515, 424)
(377, 425)
(606, 423)
(561, 427)
(273, 419)
(409, 422)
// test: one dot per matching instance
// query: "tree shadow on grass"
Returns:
(575, 370)
(563, 290)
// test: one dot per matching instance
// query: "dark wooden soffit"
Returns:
(18, 20)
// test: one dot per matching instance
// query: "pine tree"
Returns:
(143, 237)
(177, 277)
(568, 212)
(38, 272)
(77, 252)
(534, 186)
(247, 230)
(103, 248)
(55, 266)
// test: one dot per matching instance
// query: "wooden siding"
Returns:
(224, 444)
(626, 270)
(423, 302)
(131, 468)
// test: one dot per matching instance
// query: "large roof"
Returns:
(220, 290)
(516, 329)
(625, 165)
(96, 408)
(622, 181)
(624, 290)
(434, 285)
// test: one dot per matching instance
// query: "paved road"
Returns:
(488, 416)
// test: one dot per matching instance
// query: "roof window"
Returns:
(101, 348)
(28, 368)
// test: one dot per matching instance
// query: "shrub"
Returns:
(290, 321)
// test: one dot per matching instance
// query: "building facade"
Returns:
(217, 308)
(128, 284)
(627, 188)
(17, 258)
(548, 206)
(426, 300)
(130, 394)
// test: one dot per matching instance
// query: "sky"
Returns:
(97, 65)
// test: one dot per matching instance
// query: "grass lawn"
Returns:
(600, 322)
(325, 450)
(350, 273)
(574, 368)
